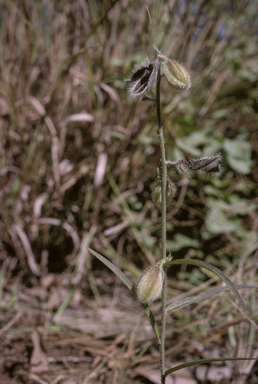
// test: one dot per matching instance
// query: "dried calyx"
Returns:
(144, 77)
(208, 164)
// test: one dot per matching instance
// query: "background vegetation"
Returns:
(78, 156)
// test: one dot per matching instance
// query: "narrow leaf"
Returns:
(113, 268)
(130, 286)
(211, 268)
(203, 361)
(204, 295)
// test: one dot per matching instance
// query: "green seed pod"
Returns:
(157, 192)
(176, 74)
(150, 285)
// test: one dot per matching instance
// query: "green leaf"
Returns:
(203, 361)
(211, 268)
(131, 287)
(216, 222)
(186, 124)
(238, 155)
(113, 268)
(180, 241)
(188, 146)
(204, 295)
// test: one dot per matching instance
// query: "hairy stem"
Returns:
(163, 229)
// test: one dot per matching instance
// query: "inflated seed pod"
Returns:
(150, 285)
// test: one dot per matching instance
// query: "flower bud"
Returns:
(176, 74)
(150, 285)
(157, 192)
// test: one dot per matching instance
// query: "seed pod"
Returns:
(157, 192)
(150, 285)
(176, 74)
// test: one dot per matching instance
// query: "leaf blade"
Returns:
(203, 361)
(213, 269)
(113, 268)
(201, 296)
(131, 288)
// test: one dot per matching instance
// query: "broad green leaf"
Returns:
(186, 124)
(180, 241)
(210, 190)
(213, 146)
(204, 295)
(188, 146)
(216, 222)
(130, 286)
(218, 114)
(238, 155)
(211, 268)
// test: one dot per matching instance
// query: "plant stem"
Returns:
(163, 330)
(163, 229)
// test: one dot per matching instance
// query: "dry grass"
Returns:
(77, 159)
